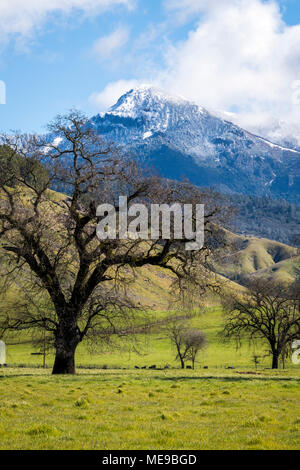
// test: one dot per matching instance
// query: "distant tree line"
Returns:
(267, 218)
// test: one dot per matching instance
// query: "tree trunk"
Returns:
(182, 363)
(66, 342)
(64, 361)
(275, 360)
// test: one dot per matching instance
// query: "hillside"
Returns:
(248, 255)
(245, 256)
(284, 271)
(149, 287)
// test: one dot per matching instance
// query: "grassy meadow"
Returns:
(149, 410)
(120, 407)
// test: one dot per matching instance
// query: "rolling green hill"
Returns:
(284, 271)
(248, 255)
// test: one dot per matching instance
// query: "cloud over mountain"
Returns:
(238, 56)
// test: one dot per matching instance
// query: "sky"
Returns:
(241, 57)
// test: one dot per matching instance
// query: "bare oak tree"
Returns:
(187, 341)
(50, 240)
(174, 332)
(267, 311)
(194, 341)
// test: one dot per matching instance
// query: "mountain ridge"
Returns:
(181, 138)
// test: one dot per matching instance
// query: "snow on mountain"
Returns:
(285, 149)
(193, 128)
(180, 138)
(145, 99)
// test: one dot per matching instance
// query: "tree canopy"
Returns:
(51, 243)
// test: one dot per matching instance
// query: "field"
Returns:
(120, 407)
(149, 410)
(155, 348)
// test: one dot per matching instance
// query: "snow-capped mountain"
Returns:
(182, 139)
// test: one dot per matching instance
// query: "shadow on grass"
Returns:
(230, 378)
(138, 375)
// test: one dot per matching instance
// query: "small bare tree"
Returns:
(50, 240)
(175, 332)
(267, 311)
(187, 341)
(194, 341)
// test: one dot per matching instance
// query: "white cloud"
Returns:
(240, 57)
(111, 93)
(22, 17)
(184, 10)
(105, 46)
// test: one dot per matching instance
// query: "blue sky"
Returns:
(55, 55)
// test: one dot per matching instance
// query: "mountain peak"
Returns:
(178, 137)
(146, 99)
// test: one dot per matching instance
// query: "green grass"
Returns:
(149, 410)
(156, 349)
(125, 408)
(284, 271)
